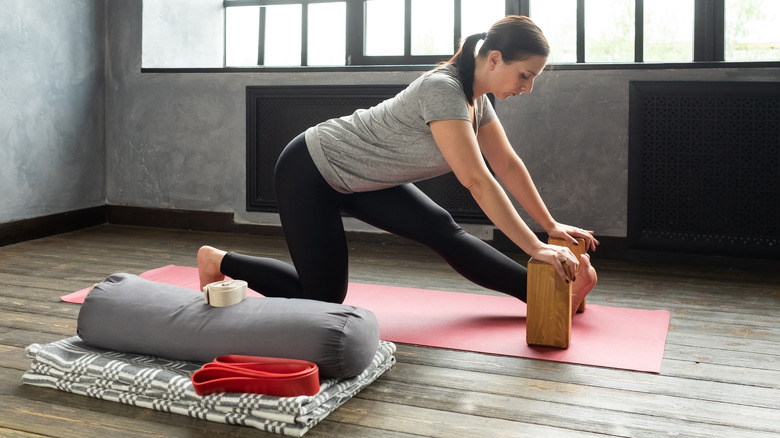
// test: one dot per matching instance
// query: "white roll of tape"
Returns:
(225, 293)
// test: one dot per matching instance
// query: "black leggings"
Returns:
(310, 212)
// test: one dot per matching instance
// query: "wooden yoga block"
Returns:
(548, 315)
(577, 250)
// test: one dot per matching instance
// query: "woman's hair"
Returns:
(515, 36)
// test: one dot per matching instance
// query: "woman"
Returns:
(364, 165)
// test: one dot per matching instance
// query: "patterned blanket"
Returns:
(162, 384)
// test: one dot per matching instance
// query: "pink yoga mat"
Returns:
(611, 337)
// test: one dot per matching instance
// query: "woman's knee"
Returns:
(439, 223)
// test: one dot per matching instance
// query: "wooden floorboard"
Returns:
(720, 376)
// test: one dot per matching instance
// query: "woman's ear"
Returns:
(494, 58)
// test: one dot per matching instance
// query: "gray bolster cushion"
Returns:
(129, 314)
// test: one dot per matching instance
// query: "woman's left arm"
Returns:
(511, 170)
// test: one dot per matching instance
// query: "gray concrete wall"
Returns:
(177, 140)
(52, 154)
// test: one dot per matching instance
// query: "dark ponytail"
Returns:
(465, 62)
(515, 36)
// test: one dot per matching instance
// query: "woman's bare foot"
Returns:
(586, 280)
(209, 261)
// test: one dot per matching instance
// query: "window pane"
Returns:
(609, 30)
(558, 21)
(242, 30)
(283, 35)
(384, 27)
(327, 34)
(478, 15)
(433, 27)
(668, 33)
(752, 30)
(175, 34)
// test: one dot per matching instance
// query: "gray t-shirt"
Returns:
(391, 144)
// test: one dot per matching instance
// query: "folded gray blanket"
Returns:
(162, 384)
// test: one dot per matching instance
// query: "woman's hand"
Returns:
(570, 234)
(557, 256)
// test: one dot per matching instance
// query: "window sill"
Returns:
(425, 67)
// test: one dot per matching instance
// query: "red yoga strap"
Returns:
(255, 374)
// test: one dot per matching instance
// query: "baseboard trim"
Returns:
(615, 248)
(220, 222)
(44, 226)
(170, 218)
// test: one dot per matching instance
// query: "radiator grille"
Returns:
(704, 172)
(275, 115)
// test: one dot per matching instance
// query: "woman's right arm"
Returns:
(515, 176)
(458, 144)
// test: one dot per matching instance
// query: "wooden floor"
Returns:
(720, 375)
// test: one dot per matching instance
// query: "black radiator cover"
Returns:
(704, 167)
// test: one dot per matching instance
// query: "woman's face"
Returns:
(514, 78)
